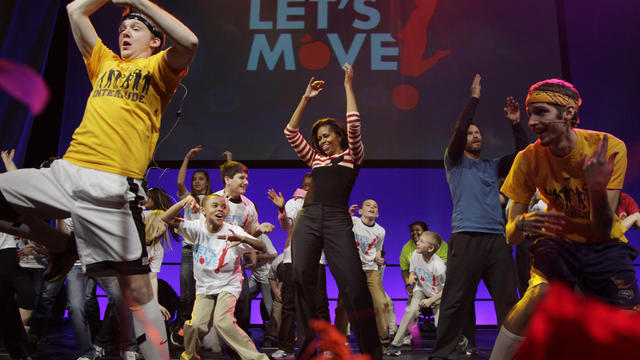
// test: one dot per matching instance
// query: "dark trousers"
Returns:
(471, 257)
(11, 329)
(287, 334)
(324, 227)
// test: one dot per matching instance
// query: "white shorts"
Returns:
(105, 208)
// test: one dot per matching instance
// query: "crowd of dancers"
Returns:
(112, 231)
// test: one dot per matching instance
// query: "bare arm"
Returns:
(170, 215)
(182, 174)
(257, 244)
(185, 42)
(537, 222)
(348, 88)
(313, 89)
(631, 220)
(83, 32)
(603, 202)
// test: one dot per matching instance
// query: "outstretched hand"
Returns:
(476, 87)
(598, 169)
(276, 198)
(348, 74)
(193, 152)
(353, 209)
(512, 110)
(313, 88)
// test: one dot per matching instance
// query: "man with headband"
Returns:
(477, 247)
(98, 182)
(579, 174)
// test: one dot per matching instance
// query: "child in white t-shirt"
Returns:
(217, 256)
(427, 273)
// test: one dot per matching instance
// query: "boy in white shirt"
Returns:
(217, 255)
(427, 273)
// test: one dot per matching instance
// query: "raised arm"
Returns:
(170, 215)
(299, 144)
(182, 174)
(512, 113)
(7, 159)
(455, 149)
(185, 42)
(603, 202)
(353, 118)
(83, 32)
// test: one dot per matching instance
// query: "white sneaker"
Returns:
(100, 352)
(406, 340)
(128, 355)
(281, 354)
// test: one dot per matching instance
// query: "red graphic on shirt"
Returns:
(221, 262)
(413, 44)
(371, 245)
(313, 55)
(201, 260)
(435, 282)
(421, 278)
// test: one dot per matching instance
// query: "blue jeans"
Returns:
(187, 286)
(76, 286)
(42, 311)
(117, 314)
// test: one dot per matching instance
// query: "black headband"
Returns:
(154, 30)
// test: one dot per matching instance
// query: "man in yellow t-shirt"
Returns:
(579, 174)
(98, 183)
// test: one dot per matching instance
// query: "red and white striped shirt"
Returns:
(353, 155)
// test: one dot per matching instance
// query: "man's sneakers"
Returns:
(177, 337)
(393, 351)
(281, 354)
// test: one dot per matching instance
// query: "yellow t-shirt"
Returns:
(121, 122)
(561, 182)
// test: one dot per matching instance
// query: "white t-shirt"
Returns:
(431, 275)
(261, 270)
(188, 214)
(155, 254)
(69, 223)
(216, 262)
(242, 213)
(7, 241)
(369, 240)
(35, 260)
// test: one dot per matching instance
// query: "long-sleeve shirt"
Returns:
(333, 176)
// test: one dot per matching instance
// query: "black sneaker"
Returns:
(177, 337)
(393, 351)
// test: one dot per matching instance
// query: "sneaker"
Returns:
(128, 355)
(281, 354)
(393, 351)
(461, 346)
(471, 351)
(177, 337)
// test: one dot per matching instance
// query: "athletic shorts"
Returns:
(105, 209)
(604, 270)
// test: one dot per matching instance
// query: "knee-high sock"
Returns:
(150, 331)
(506, 345)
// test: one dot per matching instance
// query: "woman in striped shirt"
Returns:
(335, 156)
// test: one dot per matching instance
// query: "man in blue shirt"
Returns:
(477, 248)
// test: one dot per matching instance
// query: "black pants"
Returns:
(11, 329)
(471, 257)
(323, 227)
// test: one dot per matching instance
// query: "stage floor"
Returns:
(60, 344)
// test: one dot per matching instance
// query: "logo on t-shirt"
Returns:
(132, 86)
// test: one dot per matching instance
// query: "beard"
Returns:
(474, 148)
